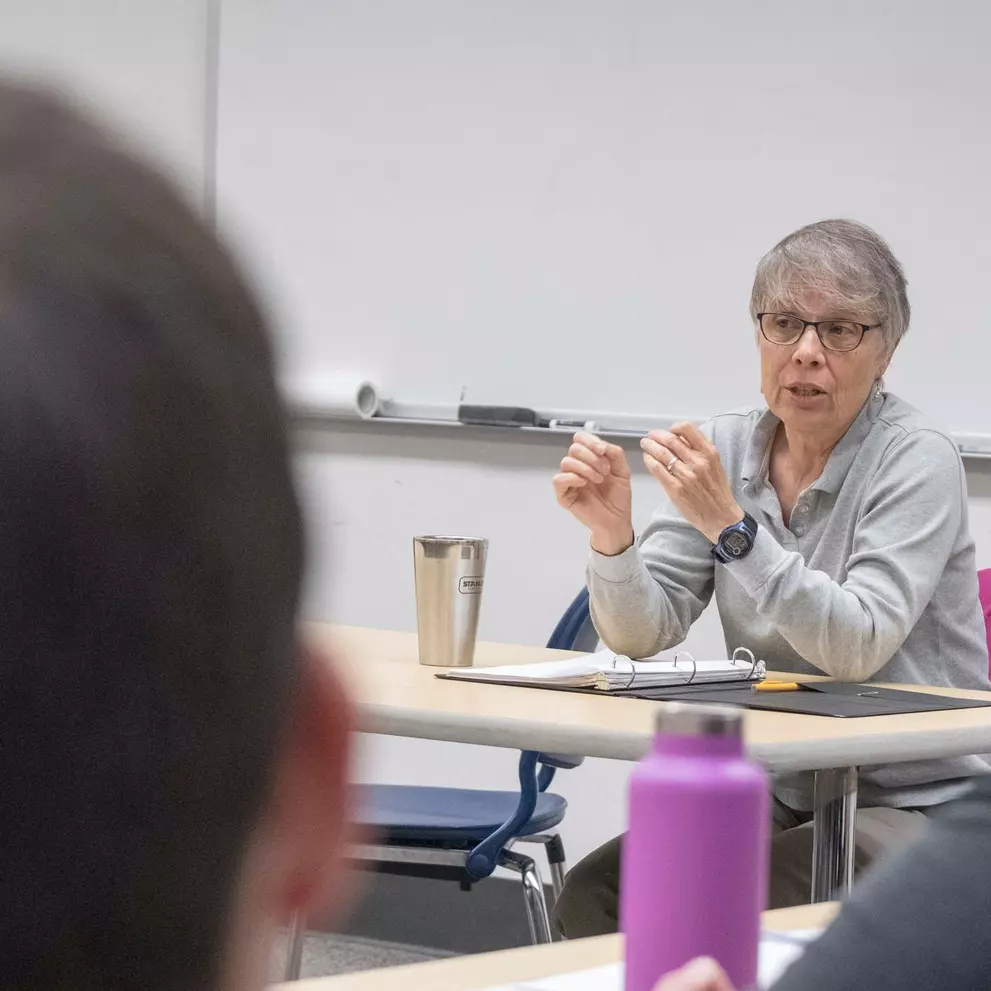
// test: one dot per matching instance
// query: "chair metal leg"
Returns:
(533, 894)
(556, 861)
(557, 878)
(533, 887)
(294, 947)
(536, 905)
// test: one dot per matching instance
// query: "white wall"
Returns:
(142, 63)
(369, 489)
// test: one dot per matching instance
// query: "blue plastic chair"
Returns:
(464, 834)
(575, 630)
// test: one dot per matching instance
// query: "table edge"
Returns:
(589, 741)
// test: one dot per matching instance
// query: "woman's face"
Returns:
(812, 389)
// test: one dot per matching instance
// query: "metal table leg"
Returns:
(834, 826)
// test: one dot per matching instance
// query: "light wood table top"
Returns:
(483, 970)
(397, 696)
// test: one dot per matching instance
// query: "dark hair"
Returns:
(150, 558)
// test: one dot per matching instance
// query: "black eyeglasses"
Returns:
(835, 335)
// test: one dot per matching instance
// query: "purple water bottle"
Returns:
(694, 862)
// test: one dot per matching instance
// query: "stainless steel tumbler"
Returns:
(449, 573)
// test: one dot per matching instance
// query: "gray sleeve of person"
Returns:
(920, 920)
(647, 598)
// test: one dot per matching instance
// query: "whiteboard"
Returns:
(560, 203)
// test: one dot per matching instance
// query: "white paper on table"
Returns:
(778, 951)
(607, 672)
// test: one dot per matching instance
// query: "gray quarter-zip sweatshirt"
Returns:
(873, 578)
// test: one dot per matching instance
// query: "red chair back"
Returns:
(984, 591)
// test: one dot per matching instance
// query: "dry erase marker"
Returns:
(590, 425)
(777, 686)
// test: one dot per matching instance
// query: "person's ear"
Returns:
(306, 821)
(887, 354)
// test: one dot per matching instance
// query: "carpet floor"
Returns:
(329, 953)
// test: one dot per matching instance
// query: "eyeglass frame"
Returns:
(864, 327)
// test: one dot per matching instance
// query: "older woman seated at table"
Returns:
(831, 526)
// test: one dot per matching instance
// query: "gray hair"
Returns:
(848, 263)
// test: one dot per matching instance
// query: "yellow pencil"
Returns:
(777, 686)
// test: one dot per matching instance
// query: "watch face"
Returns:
(736, 543)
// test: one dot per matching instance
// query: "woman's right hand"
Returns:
(594, 486)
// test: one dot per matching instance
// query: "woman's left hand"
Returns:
(689, 469)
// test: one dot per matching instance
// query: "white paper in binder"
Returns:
(609, 672)
(344, 394)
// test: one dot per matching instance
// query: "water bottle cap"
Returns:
(685, 719)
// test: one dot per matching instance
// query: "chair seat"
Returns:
(410, 813)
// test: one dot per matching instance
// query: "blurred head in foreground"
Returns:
(172, 760)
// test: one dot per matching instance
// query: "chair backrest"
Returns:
(575, 630)
(984, 590)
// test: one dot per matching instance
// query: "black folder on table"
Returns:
(816, 698)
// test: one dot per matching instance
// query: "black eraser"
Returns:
(497, 416)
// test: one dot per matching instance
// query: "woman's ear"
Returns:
(886, 355)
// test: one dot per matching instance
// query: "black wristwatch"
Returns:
(736, 541)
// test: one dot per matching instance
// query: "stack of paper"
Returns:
(611, 672)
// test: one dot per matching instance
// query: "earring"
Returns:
(878, 395)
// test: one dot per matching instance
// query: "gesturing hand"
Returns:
(594, 486)
(689, 469)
